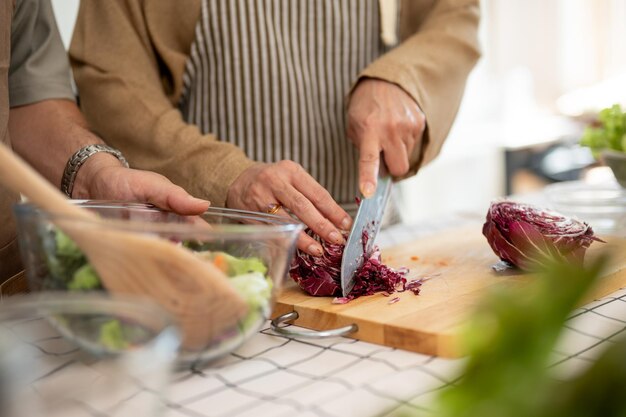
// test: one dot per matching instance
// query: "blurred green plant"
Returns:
(510, 341)
(608, 133)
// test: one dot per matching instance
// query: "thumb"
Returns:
(158, 190)
(179, 201)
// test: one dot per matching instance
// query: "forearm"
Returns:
(148, 128)
(153, 135)
(47, 133)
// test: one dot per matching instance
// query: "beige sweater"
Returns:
(129, 58)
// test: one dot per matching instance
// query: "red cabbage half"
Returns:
(321, 276)
(527, 236)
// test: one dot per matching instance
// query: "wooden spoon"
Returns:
(194, 291)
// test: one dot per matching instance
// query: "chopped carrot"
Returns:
(415, 258)
(221, 263)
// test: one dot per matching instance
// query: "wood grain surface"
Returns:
(429, 323)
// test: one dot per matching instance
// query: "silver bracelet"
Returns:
(79, 158)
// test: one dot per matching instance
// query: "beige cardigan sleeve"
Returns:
(438, 50)
(124, 97)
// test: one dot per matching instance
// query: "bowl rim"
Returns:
(272, 224)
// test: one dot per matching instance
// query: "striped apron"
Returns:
(271, 76)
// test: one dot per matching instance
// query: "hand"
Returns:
(288, 184)
(382, 117)
(102, 177)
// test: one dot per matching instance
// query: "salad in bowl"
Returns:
(252, 249)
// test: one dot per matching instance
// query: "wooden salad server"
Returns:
(196, 292)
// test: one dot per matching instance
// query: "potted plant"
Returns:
(607, 140)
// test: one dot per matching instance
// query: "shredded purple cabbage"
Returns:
(321, 276)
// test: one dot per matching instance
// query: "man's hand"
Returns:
(102, 177)
(58, 127)
(288, 184)
(382, 117)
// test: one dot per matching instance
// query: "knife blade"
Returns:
(368, 218)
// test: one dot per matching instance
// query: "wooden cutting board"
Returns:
(429, 323)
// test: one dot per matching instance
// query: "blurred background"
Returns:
(547, 67)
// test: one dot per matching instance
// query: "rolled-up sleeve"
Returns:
(432, 65)
(39, 64)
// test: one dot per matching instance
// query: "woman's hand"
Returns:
(382, 117)
(102, 177)
(286, 183)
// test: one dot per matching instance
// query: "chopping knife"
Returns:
(368, 218)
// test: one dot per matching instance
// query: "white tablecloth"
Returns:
(275, 376)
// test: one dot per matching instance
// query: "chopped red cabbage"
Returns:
(320, 276)
(393, 300)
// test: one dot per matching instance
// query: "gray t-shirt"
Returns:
(39, 65)
(38, 69)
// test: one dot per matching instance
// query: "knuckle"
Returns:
(282, 163)
(422, 128)
(408, 124)
(368, 157)
(299, 203)
(247, 200)
(316, 199)
(418, 131)
(321, 226)
(288, 166)
(253, 193)
(420, 121)
(320, 198)
(265, 175)
(370, 121)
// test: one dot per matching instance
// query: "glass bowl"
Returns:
(56, 357)
(252, 249)
(603, 206)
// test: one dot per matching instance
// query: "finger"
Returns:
(159, 191)
(409, 143)
(322, 200)
(307, 244)
(369, 159)
(308, 214)
(201, 224)
(420, 125)
(414, 136)
(182, 203)
(396, 158)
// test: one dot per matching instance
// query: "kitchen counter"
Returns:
(274, 376)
